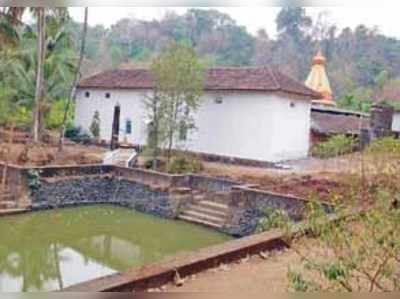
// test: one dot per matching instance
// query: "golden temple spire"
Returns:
(318, 81)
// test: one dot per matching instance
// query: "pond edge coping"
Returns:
(160, 273)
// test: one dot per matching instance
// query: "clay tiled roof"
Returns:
(330, 123)
(239, 79)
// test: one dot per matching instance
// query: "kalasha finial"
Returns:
(319, 58)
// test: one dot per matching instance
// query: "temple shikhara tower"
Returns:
(318, 81)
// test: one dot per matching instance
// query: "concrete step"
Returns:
(213, 205)
(12, 211)
(7, 204)
(199, 197)
(4, 196)
(220, 197)
(119, 157)
(207, 210)
(199, 221)
(204, 217)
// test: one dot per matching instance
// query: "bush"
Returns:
(335, 146)
(54, 118)
(95, 125)
(273, 219)
(384, 146)
(76, 134)
(184, 164)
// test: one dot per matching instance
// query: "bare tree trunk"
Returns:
(155, 132)
(172, 128)
(10, 142)
(41, 53)
(72, 95)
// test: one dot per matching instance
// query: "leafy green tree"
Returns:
(75, 82)
(14, 15)
(238, 38)
(155, 109)
(293, 21)
(20, 65)
(360, 99)
(179, 80)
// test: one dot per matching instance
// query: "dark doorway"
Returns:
(115, 128)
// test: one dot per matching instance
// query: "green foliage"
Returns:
(18, 74)
(179, 79)
(54, 118)
(76, 134)
(33, 177)
(351, 102)
(184, 164)
(274, 218)
(95, 125)
(387, 146)
(353, 249)
(336, 145)
(297, 282)
(12, 113)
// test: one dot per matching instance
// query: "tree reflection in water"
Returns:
(54, 249)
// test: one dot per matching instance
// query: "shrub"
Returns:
(274, 218)
(76, 134)
(360, 250)
(384, 146)
(95, 125)
(335, 146)
(357, 253)
(54, 118)
(184, 164)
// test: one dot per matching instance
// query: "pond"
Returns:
(49, 250)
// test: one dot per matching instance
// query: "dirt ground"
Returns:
(303, 179)
(256, 274)
(253, 274)
(44, 154)
(25, 153)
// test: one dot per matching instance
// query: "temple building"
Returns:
(318, 81)
(249, 114)
(326, 119)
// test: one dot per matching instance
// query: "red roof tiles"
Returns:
(238, 79)
(329, 123)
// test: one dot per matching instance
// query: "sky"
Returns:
(385, 16)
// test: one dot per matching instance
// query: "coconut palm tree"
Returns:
(72, 95)
(18, 76)
(13, 15)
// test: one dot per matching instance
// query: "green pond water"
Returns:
(50, 250)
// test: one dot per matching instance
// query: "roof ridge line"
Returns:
(278, 86)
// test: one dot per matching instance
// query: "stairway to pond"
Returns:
(6, 199)
(211, 211)
(7, 203)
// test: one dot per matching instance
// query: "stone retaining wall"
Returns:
(250, 205)
(65, 171)
(152, 192)
(208, 184)
(153, 178)
(105, 190)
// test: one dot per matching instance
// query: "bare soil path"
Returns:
(253, 275)
(301, 178)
